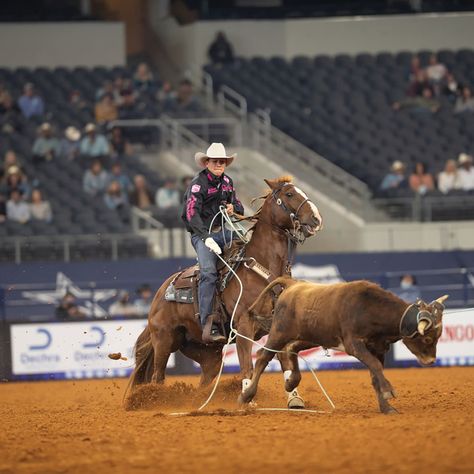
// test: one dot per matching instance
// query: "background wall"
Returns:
(62, 44)
(288, 38)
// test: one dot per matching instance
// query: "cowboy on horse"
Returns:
(207, 192)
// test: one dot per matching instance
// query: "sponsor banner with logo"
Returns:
(74, 350)
(317, 358)
(455, 346)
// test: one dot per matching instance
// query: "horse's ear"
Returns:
(271, 183)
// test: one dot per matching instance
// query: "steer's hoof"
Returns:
(295, 402)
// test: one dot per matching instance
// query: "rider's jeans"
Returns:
(207, 264)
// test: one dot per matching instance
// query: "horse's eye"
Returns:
(289, 195)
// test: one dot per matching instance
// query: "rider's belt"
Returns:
(257, 268)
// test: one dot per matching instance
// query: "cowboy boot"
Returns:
(210, 333)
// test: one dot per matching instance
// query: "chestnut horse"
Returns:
(286, 215)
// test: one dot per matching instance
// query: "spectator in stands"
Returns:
(185, 102)
(76, 100)
(421, 181)
(415, 68)
(17, 209)
(94, 145)
(106, 110)
(130, 108)
(119, 144)
(11, 118)
(464, 103)
(95, 179)
(46, 146)
(116, 174)
(421, 104)
(3, 209)
(166, 92)
(122, 307)
(396, 178)
(448, 179)
(168, 203)
(419, 84)
(408, 290)
(466, 172)
(69, 148)
(451, 88)
(143, 80)
(143, 302)
(220, 50)
(185, 182)
(9, 161)
(107, 88)
(436, 73)
(30, 103)
(40, 209)
(16, 180)
(141, 196)
(115, 198)
(68, 308)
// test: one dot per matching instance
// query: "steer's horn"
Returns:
(422, 326)
(442, 299)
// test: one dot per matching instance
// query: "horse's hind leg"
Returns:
(208, 357)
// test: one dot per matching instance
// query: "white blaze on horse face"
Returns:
(312, 205)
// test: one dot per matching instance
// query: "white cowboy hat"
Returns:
(72, 133)
(397, 165)
(464, 158)
(216, 150)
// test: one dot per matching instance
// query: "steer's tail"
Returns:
(143, 361)
(262, 309)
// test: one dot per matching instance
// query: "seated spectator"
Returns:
(11, 118)
(130, 109)
(116, 174)
(105, 110)
(424, 103)
(143, 302)
(3, 209)
(141, 196)
(464, 103)
(16, 181)
(68, 308)
(420, 181)
(122, 307)
(30, 103)
(452, 88)
(119, 144)
(76, 100)
(166, 92)
(448, 179)
(436, 73)
(466, 172)
(396, 179)
(168, 199)
(40, 209)
(95, 179)
(94, 145)
(17, 209)
(185, 102)
(115, 198)
(143, 80)
(408, 291)
(9, 161)
(418, 84)
(185, 182)
(46, 146)
(107, 88)
(415, 68)
(220, 50)
(69, 147)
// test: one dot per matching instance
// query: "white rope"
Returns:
(234, 332)
(289, 410)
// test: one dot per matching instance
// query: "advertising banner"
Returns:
(75, 349)
(455, 346)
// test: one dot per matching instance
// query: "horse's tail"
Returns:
(262, 309)
(143, 361)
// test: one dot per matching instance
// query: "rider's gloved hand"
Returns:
(211, 244)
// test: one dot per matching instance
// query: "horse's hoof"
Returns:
(390, 411)
(295, 402)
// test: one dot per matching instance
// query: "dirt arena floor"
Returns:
(82, 427)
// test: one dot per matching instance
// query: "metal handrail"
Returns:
(138, 215)
(222, 98)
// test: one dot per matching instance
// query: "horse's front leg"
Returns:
(292, 377)
(244, 352)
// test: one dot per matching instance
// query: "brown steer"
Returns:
(359, 318)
